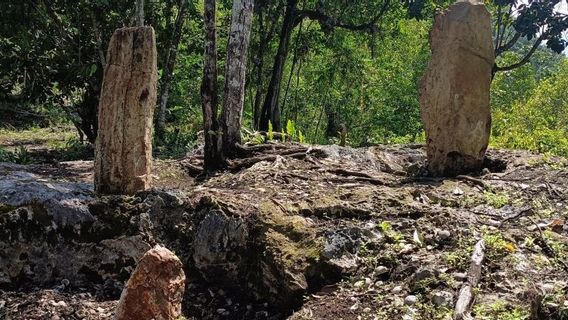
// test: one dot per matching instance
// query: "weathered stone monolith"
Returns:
(123, 158)
(454, 92)
(155, 288)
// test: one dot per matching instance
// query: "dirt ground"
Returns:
(419, 235)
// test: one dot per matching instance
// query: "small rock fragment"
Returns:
(359, 284)
(547, 288)
(442, 298)
(381, 270)
(410, 300)
(397, 290)
(443, 235)
(460, 276)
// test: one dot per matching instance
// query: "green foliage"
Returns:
(50, 71)
(301, 138)
(73, 150)
(270, 131)
(5, 155)
(497, 247)
(500, 310)
(496, 199)
(540, 123)
(176, 143)
(20, 155)
(291, 130)
(368, 84)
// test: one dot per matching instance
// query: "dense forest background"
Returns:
(314, 69)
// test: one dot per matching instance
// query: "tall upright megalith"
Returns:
(123, 157)
(454, 92)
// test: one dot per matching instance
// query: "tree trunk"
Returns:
(265, 37)
(235, 71)
(333, 126)
(139, 13)
(168, 70)
(213, 155)
(270, 109)
(259, 64)
(87, 111)
(128, 97)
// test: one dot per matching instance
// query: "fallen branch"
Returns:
(546, 248)
(349, 173)
(191, 169)
(352, 176)
(247, 151)
(239, 164)
(465, 297)
(473, 180)
(516, 215)
(372, 181)
(236, 165)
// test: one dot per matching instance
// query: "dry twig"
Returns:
(465, 297)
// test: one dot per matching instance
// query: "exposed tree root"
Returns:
(296, 153)
(473, 180)
(354, 176)
(466, 295)
(516, 215)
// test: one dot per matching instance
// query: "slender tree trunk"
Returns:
(139, 13)
(265, 37)
(259, 64)
(294, 61)
(270, 109)
(169, 68)
(213, 155)
(235, 71)
(98, 39)
(333, 126)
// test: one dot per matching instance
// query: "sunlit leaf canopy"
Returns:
(353, 63)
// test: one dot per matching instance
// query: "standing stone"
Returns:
(123, 159)
(454, 92)
(155, 289)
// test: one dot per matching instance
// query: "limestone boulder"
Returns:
(155, 288)
(454, 92)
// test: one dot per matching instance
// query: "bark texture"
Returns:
(123, 159)
(155, 288)
(454, 93)
(239, 37)
(213, 155)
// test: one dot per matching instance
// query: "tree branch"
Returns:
(526, 58)
(326, 20)
(508, 45)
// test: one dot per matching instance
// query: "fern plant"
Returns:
(301, 138)
(270, 131)
(291, 130)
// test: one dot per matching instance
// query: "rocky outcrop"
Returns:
(454, 92)
(155, 289)
(123, 158)
(237, 238)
